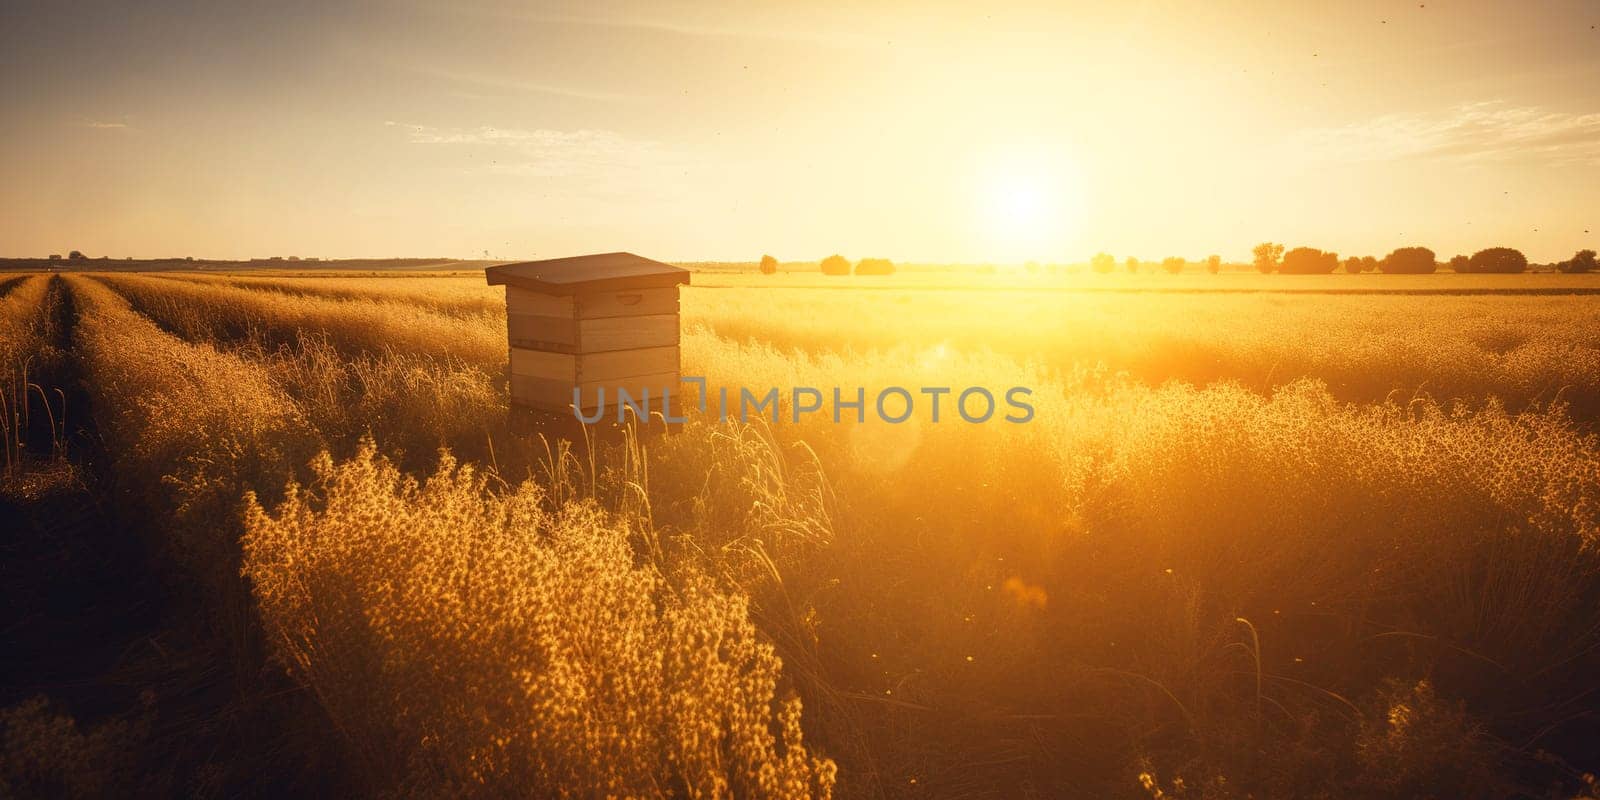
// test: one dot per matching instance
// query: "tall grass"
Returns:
(1188, 574)
(28, 359)
(470, 640)
(1520, 349)
(634, 682)
(191, 430)
(211, 312)
(412, 402)
(460, 296)
(1237, 580)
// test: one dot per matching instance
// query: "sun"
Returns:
(1028, 206)
(1018, 205)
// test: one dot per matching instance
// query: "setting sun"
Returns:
(1028, 207)
(1018, 204)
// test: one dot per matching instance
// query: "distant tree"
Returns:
(1173, 265)
(1460, 264)
(1409, 261)
(1308, 261)
(55, 256)
(1582, 261)
(1497, 259)
(769, 265)
(1330, 262)
(836, 265)
(1353, 265)
(1132, 264)
(874, 266)
(1213, 264)
(1103, 263)
(76, 255)
(1267, 255)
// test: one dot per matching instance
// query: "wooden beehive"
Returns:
(608, 320)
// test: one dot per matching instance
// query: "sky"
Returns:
(926, 132)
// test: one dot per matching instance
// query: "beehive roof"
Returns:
(601, 271)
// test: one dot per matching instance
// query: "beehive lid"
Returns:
(599, 272)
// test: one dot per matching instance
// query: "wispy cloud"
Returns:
(543, 152)
(522, 86)
(1485, 131)
(106, 126)
(797, 34)
(810, 29)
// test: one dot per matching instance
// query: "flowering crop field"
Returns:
(1251, 543)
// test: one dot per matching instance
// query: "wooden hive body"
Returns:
(592, 322)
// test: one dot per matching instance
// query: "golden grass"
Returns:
(208, 312)
(191, 429)
(1079, 578)
(27, 355)
(466, 296)
(413, 404)
(1520, 349)
(21, 307)
(468, 641)
(413, 398)
(197, 427)
(1200, 562)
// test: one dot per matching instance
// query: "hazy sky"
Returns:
(914, 131)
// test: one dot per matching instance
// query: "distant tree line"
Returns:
(1495, 259)
(1268, 258)
(1271, 257)
(1582, 261)
(836, 265)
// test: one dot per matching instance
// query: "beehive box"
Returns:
(591, 322)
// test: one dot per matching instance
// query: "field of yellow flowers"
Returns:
(1252, 544)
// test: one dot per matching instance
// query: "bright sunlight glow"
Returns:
(1029, 206)
(1018, 204)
